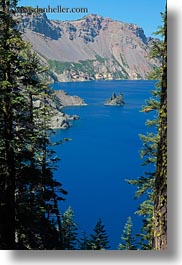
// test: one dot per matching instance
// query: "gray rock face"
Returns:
(90, 48)
(59, 119)
(67, 100)
(115, 100)
(40, 24)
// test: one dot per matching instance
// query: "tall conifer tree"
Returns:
(10, 45)
(128, 242)
(160, 195)
(148, 184)
(70, 228)
(99, 239)
(29, 211)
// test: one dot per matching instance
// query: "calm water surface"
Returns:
(104, 151)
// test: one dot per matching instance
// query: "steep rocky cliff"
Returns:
(90, 48)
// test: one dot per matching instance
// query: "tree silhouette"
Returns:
(99, 239)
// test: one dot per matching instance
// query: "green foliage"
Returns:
(69, 228)
(160, 191)
(155, 74)
(99, 239)
(86, 66)
(146, 209)
(123, 61)
(128, 242)
(84, 242)
(83, 66)
(149, 153)
(29, 215)
(100, 59)
(120, 74)
(161, 29)
(143, 184)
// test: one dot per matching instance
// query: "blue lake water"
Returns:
(104, 151)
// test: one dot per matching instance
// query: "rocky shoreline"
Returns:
(61, 120)
(66, 100)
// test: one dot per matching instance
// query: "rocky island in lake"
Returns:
(115, 100)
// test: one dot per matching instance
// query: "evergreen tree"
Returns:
(146, 210)
(146, 184)
(10, 45)
(29, 214)
(69, 227)
(128, 242)
(84, 242)
(38, 173)
(160, 191)
(99, 239)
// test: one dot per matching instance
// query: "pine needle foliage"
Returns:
(128, 241)
(149, 153)
(30, 196)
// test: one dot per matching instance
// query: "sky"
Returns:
(145, 13)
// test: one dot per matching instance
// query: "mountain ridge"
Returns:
(90, 48)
